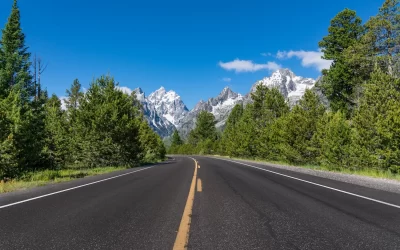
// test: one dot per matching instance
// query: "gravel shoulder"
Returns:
(370, 182)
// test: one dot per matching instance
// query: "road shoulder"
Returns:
(387, 185)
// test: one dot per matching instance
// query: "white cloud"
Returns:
(266, 54)
(308, 58)
(248, 66)
(125, 90)
(281, 54)
(226, 79)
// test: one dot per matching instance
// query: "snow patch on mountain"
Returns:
(291, 86)
(169, 105)
(219, 106)
(165, 110)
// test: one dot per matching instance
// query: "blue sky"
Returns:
(193, 47)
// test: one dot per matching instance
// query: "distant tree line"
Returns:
(361, 127)
(99, 127)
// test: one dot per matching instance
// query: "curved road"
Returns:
(231, 205)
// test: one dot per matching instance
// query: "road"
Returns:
(201, 203)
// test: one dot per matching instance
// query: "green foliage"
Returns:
(229, 138)
(299, 128)
(246, 134)
(361, 132)
(205, 128)
(203, 139)
(56, 128)
(176, 139)
(385, 28)
(340, 83)
(333, 140)
(377, 124)
(344, 31)
(107, 127)
(74, 95)
(100, 128)
(204, 135)
(151, 144)
(176, 143)
(14, 58)
(269, 105)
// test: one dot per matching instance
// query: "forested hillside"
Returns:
(361, 127)
(98, 128)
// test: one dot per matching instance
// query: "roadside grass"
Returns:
(41, 178)
(362, 172)
(45, 177)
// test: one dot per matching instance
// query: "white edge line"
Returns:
(313, 183)
(69, 189)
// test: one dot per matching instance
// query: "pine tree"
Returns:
(385, 28)
(176, 143)
(107, 127)
(246, 134)
(57, 137)
(268, 105)
(340, 83)
(229, 140)
(344, 31)
(10, 125)
(334, 140)
(25, 115)
(377, 125)
(14, 58)
(299, 129)
(74, 94)
(272, 105)
(176, 139)
(152, 146)
(204, 134)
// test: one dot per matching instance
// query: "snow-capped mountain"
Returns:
(155, 109)
(165, 110)
(291, 86)
(168, 105)
(220, 107)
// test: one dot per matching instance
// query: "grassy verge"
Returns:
(362, 172)
(45, 177)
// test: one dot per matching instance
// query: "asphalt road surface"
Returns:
(201, 203)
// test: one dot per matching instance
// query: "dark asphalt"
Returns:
(246, 208)
(239, 208)
(138, 211)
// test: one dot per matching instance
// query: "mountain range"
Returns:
(165, 111)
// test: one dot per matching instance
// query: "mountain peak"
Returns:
(226, 90)
(291, 86)
(161, 89)
(139, 94)
(282, 73)
(165, 110)
(227, 93)
(138, 91)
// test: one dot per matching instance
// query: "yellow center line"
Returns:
(199, 186)
(182, 237)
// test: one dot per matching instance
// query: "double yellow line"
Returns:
(182, 237)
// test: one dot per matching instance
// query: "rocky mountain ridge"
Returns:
(165, 110)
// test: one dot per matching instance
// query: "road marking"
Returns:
(199, 186)
(69, 189)
(182, 237)
(316, 184)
